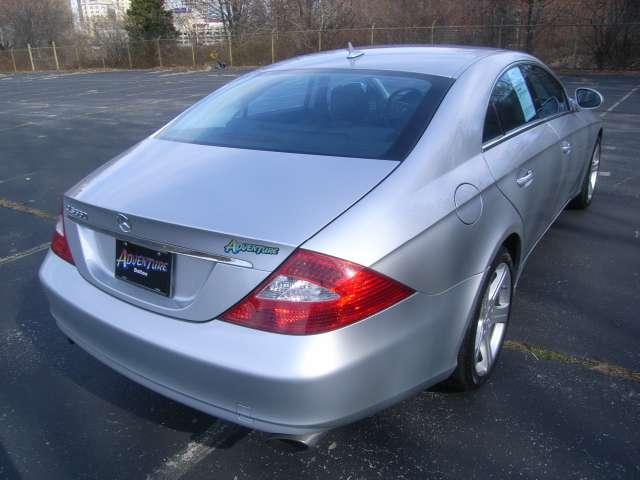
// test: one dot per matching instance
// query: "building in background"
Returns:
(194, 21)
(89, 12)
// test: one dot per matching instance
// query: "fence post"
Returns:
(500, 33)
(33, 65)
(159, 54)
(129, 56)
(55, 55)
(78, 58)
(372, 27)
(230, 50)
(193, 53)
(13, 60)
(433, 32)
(273, 47)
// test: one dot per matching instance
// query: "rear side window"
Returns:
(510, 106)
(492, 128)
(548, 95)
(348, 113)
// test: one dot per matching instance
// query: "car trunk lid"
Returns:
(228, 217)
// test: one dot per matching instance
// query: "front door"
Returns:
(551, 103)
(523, 155)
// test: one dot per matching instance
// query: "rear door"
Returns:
(522, 154)
(552, 104)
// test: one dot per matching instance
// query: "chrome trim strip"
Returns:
(522, 128)
(166, 247)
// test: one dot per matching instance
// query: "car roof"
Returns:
(446, 61)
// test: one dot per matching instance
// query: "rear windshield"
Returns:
(348, 113)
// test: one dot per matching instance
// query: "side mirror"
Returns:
(588, 98)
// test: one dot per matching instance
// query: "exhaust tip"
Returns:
(295, 443)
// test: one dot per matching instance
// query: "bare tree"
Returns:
(615, 31)
(37, 22)
(234, 14)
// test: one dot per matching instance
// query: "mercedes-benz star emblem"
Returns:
(123, 223)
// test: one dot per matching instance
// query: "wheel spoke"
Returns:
(486, 341)
(497, 283)
(481, 358)
(479, 335)
(500, 314)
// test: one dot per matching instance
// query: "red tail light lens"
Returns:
(314, 293)
(59, 244)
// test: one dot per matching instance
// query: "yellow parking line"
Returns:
(22, 208)
(540, 353)
(24, 253)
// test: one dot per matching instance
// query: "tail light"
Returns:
(59, 244)
(314, 293)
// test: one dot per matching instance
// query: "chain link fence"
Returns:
(561, 46)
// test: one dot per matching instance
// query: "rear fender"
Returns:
(449, 251)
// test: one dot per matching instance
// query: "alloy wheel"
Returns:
(492, 321)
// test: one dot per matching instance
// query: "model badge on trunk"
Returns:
(76, 212)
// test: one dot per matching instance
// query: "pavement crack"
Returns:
(605, 368)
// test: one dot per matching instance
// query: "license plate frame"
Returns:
(144, 267)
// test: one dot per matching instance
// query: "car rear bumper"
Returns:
(271, 382)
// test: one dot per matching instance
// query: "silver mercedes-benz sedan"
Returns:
(323, 237)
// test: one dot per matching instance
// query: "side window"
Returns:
(290, 94)
(548, 95)
(510, 105)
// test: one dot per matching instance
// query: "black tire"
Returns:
(583, 199)
(465, 377)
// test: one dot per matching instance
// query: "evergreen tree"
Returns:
(148, 19)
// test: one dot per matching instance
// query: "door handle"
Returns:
(566, 148)
(526, 179)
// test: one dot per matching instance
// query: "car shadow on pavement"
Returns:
(91, 376)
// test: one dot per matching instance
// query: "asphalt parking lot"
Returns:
(564, 401)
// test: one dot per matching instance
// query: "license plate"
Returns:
(144, 267)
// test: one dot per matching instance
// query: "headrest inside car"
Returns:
(349, 102)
